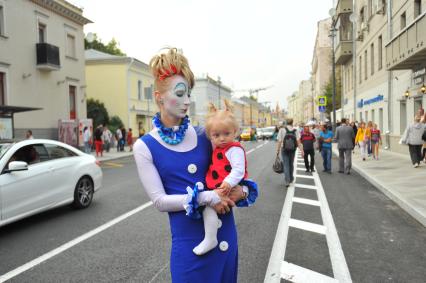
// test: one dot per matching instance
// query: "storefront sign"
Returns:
(363, 102)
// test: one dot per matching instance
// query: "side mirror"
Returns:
(17, 166)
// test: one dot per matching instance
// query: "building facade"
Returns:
(124, 85)
(42, 64)
(382, 54)
(321, 62)
(307, 97)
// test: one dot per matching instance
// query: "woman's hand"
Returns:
(237, 193)
(225, 204)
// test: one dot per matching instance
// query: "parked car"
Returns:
(260, 132)
(38, 175)
(268, 132)
(245, 135)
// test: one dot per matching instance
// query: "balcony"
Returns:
(343, 52)
(408, 49)
(47, 57)
(343, 6)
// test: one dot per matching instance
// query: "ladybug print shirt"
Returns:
(229, 164)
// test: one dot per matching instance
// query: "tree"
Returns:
(96, 110)
(110, 48)
(115, 123)
(328, 92)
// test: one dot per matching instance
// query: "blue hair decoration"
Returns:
(192, 207)
(253, 193)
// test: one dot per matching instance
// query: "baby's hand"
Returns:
(225, 187)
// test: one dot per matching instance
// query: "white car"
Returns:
(38, 175)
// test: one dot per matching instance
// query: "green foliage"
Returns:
(96, 110)
(115, 123)
(110, 48)
(328, 92)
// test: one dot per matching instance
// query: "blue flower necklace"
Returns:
(173, 135)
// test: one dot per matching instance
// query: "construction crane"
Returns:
(252, 91)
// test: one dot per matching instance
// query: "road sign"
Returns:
(321, 109)
(322, 101)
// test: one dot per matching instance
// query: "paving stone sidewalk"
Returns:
(394, 175)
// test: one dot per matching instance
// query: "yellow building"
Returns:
(124, 85)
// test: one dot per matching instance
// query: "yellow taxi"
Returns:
(245, 134)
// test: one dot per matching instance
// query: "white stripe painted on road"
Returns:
(304, 176)
(9, 275)
(306, 201)
(250, 151)
(259, 146)
(303, 186)
(295, 273)
(320, 229)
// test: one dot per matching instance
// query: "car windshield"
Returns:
(4, 147)
(269, 130)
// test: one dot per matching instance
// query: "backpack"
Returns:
(424, 136)
(290, 141)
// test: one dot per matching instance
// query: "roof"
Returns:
(93, 56)
(8, 109)
(96, 54)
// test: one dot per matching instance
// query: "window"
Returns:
(362, 14)
(360, 69)
(372, 58)
(417, 8)
(41, 33)
(148, 92)
(2, 29)
(72, 97)
(403, 20)
(56, 151)
(365, 65)
(2, 88)
(380, 49)
(140, 90)
(370, 8)
(31, 154)
(71, 46)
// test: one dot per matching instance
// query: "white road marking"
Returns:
(250, 151)
(320, 229)
(70, 244)
(158, 273)
(295, 273)
(306, 201)
(259, 146)
(303, 186)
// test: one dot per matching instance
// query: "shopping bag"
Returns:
(278, 165)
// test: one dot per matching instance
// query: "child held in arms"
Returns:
(227, 170)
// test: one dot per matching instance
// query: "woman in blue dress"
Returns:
(175, 156)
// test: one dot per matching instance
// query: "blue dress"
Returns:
(176, 170)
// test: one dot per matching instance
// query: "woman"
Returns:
(367, 137)
(413, 138)
(360, 140)
(376, 139)
(130, 139)
(173, 156)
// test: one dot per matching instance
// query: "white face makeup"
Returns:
(177, 98)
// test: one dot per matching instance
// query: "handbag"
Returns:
(278, 166)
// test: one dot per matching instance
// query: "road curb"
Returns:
(395, 197)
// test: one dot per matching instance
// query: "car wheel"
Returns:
(83, 193)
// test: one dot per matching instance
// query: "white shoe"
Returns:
(416, 165)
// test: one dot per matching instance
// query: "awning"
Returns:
(8, 110)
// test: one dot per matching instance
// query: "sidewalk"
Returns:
(394, 175)
(113, 154)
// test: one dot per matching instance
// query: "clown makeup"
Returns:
(177, 97)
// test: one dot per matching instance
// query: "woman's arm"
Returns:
(153, 185)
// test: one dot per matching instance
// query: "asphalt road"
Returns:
(381, 242)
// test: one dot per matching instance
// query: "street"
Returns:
(379, 241)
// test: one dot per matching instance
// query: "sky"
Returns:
(248, 43)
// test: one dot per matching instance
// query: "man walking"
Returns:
(326, 137)
(345, 137)
(307, 140)
(287, 143)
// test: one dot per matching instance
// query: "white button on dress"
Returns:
(192, 168)
(223, 246)
(219, 223)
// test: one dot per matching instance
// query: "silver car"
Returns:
(38, 175)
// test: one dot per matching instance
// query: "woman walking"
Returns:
(413, 138)
(130, 139)
(174, 156)
(360, 140)
(376, 139)
(368, 137)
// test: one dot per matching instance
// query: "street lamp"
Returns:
(218, 83)
(332, 35)
(423, 89)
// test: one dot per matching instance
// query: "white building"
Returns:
(41, 64)
(207, 90)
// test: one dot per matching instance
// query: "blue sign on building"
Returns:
(363, 102)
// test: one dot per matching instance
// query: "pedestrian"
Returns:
(87, 140)
(141, 132)
(29, 135)
(288, 142)
(316, 131)
(345, 143)
(228, 168)
(98, 141)
(123, 138)
(367, 137)
(130, 139)
(118, 138)
(355, 130)
(361, 141)
(376, 141)
(275, 135)
(307, 142)
(168, 162)
(413, 138)
(326, 137)
(106, 138)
